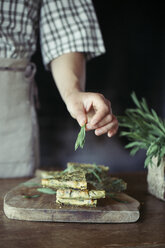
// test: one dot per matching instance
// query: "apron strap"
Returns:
(29, 73)
(12, 68)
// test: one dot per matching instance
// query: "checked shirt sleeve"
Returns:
(69, 26)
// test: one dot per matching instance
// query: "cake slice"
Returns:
(109, 184)
(75, 202)
(86, 167)
(49, 174)
(80, 194)
(93, 172)
(75, 180)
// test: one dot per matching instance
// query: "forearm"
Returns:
(68, 71)
(94, 109)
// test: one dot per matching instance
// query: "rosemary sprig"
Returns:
(30, 196)
(47, 191)
(80, 141)
(95, 174)
(144, 130)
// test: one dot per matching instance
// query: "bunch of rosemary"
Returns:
(144, 130)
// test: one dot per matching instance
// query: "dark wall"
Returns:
(134, 37)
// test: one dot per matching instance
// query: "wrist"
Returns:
(72, 93)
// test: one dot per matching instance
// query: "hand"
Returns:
(94, 110)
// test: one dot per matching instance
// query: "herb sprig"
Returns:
(30, 196)
(47, 191)
(80, 141)
(95, 171)
(144, 130)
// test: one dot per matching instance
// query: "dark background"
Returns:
(134, 37)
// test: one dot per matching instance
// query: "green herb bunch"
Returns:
(80, 141)
(144, 130)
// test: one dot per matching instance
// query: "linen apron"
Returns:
(19, 144)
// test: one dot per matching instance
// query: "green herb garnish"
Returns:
(47, 191)
(30, 184)
(30, 196)
(96, 171)
(117, 181)
(66, 170)
(144, 130)
(97, 168)
(95, 174)
(80, 141)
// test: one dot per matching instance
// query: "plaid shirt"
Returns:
(63, 26)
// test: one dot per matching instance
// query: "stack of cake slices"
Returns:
(79, 184)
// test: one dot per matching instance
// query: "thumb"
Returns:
(78, 113)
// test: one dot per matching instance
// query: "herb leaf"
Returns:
(80, 141)
(30, 196)
(30, 184)
(95, 174)
(47, 191)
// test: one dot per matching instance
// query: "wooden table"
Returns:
(148, 231)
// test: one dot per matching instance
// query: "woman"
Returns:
(69, 34)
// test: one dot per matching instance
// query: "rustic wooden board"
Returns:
(44, 208)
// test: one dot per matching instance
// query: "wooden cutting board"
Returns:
(122, 208)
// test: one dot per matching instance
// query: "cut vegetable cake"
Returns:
(82, 184)
(75, 202)
(109, 184)
(75, 180)
(49, 174)
(93, 172)
(80, 194)
(86, 167)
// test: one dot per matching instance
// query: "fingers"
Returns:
(94, 110)
(100, 116)
(109, 128)
(106, 120)
(112, 132)
(102, 108)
